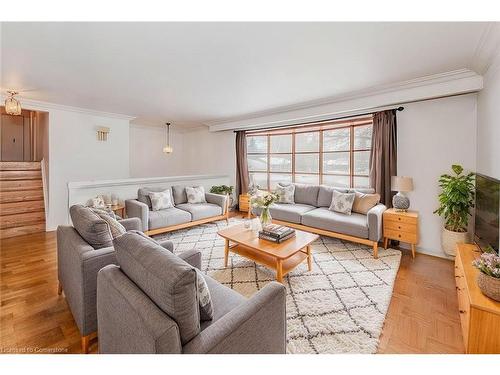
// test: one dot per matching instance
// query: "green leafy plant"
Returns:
(222, 189)
(456, 199)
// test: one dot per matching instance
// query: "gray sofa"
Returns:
(78, 263)
(182, 215)
(310, 212)
(149, 304)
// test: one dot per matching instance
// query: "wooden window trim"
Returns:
(320, 128)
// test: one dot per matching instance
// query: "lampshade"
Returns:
(401, 183)
(167, 149)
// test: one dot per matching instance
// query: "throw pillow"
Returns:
(195, 194)
(285, 193)
(204, 298)
(342, 202)
(161, 200)
(114, 226)
(98, 202)
(364, 202)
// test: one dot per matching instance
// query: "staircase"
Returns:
(21, 199)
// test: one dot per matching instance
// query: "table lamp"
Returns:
(401, 184)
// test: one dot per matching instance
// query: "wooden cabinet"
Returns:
(479, 315)
(401, 226)
(244, 203)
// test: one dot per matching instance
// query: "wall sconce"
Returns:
(102, 134)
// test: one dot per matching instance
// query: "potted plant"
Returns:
(263, 201)
(224, 190)
(455, 201)
(488, 279)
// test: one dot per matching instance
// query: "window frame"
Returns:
(350, 124)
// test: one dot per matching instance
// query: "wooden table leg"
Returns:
(309, 258)
(279, 270)
(59, 288)
(413, 250)
(226, 252)
(386, 241)
(375, 250)
(85, 344)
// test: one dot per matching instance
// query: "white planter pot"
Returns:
(450, 239)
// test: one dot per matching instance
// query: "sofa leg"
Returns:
(85, 344)
(375, 250)
(59, 288)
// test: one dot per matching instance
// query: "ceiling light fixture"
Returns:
(12, 105)
(168, 148)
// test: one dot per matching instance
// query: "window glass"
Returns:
(361, 182)
(337, 162)
(257, 163)
(361, 163)
(281, 162)
(363, 137)
(281, 143)
(337, 181)
(307, 179)
(275, 178)
(257, 144)
(308, 163)
(260, 180)
(337, 139)
(307, 142)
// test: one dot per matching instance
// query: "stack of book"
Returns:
(276, 233)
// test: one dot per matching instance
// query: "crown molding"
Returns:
(37, 105)
(433, 86)
(487, 48)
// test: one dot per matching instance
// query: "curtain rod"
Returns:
(399, 109)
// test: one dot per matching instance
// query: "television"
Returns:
(486, 225)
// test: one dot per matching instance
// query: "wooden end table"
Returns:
(281, 257)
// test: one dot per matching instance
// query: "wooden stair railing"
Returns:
(22, 209)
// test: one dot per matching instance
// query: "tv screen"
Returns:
(487, 227)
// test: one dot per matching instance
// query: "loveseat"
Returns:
(311, 213)
(182, 215)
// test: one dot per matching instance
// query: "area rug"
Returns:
(338, 307)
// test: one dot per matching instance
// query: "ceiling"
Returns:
(194, 73)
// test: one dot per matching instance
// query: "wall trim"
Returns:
(136, 181)
(37, 105)
(433, 86)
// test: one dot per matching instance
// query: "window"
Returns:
(332, 153)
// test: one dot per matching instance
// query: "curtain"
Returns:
(242, 178)
(383, 157)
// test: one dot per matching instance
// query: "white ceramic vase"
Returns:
(449, 240)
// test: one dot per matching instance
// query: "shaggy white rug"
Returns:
(338, 307)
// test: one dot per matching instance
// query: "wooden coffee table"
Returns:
(281, 257)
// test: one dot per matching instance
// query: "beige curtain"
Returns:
(383, 157)
(242, 178)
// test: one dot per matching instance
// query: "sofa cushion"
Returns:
(200, 211)
(322, 218)
(286, 212)
(286, 193)
(342, 202)
(168, 217)
(115, 227)
(195, 194)
(143, 194)
(325, 195)
(306, 194)
(179, 193)
(224, 300)
(168, 281)
(94, 230)
(364, 202)
(161, 200)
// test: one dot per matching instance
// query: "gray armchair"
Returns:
(78, 264)
(149, 304)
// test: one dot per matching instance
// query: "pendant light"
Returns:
(12, 105)
(167, 149)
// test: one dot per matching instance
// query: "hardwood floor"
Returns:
(423, 316)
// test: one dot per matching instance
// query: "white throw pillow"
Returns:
(342, 202)
(286, 193)
(161, 200)
(195, 194)
(204, 298)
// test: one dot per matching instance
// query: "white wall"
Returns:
(146, 156)
(210, 153)
(433, 135)
(488, 128)
(76, 155)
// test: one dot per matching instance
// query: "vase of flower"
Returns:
(263, 201)
(488, 279)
